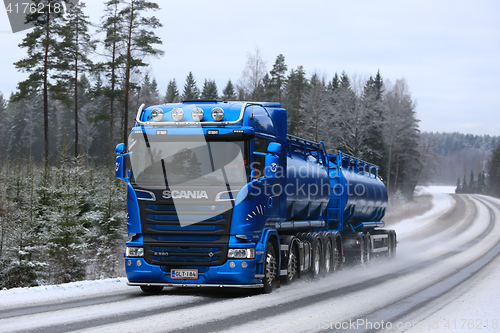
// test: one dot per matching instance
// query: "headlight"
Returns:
(134, 252)
(177, 114)
(217, 114)
(157, 114)
(197, 114)
(241, 253)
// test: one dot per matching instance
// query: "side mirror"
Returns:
(272, 167)
(120, 148)
(274, 148)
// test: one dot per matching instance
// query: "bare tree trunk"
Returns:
(298, 108)
(76, 93)
(45, 94)
(127, 75)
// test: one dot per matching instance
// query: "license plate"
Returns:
(184, 273)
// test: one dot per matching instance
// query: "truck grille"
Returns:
(168, 243)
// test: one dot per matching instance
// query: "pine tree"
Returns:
(44, 61)
(278, 75)
(78, 45)
(112, 24)
(191, 92)
(172, 94)
(229, 94)
(139, 39)
(209, 90)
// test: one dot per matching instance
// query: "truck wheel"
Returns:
(316, 258)
(392, 244)
(270, 269)
(292, 268)
(337, 258)
(328, 257)
(152, 289)
(367, 249)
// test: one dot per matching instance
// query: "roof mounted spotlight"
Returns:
(157, 114)
(217, 114)
(177, 114)
(197, 114)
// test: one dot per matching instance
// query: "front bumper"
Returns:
(224, 275)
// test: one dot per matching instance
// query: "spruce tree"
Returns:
(458, 189)
(191, 91)
(209, 90)
(148, 93)
(172, 94)
(296, 88)
(229, 94)
(494, 173)
(472, 183)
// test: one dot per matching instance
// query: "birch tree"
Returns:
(401, 130)
(254, 72)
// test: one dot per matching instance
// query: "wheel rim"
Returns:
(328, 257)
(292, 266)
(270, 266)
(317, 259)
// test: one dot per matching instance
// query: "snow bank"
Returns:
(18, 297)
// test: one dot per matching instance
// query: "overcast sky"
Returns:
(448, 51)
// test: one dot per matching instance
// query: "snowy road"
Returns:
(442, 280)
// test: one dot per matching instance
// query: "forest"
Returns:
(62, 212)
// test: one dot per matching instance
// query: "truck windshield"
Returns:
(189, 162)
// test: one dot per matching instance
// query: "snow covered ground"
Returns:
(305, 306)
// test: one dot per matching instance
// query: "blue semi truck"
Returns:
(219, 195)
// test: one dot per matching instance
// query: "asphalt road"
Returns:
(437, 256)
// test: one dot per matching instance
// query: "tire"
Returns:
(392, 247)
(361, 252)
(316, 258)
(328, 266)
(270, 269)
(337, 257)
(292, 267)
(367, 249)
(152, 289)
